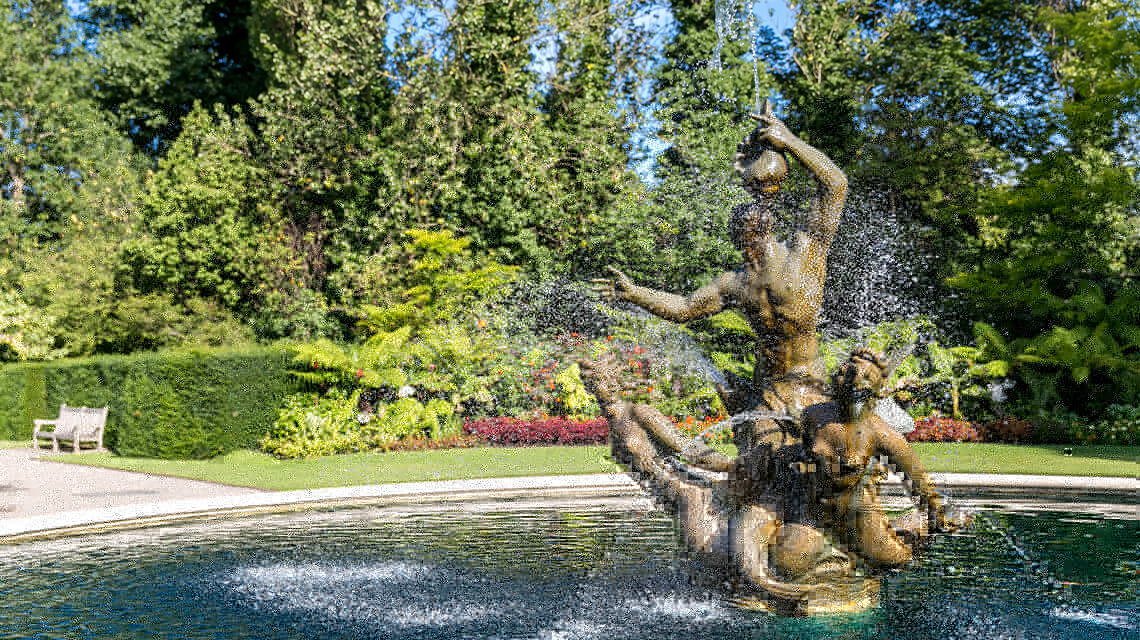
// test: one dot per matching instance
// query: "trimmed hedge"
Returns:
(166, 404)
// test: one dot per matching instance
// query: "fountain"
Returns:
(796, 516)
(792, 525)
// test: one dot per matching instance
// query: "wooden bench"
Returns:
(74, 424)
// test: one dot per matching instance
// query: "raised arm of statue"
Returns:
(703, 302)
(828, 204)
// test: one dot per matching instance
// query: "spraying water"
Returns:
(733, 421)
(727, 21)
(755, 62)
(724, 20)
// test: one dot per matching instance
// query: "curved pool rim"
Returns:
(1117, 495)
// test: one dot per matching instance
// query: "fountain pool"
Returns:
(605, 568)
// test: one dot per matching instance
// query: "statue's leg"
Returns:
(633, 445)
(911, 527)
(664, 431)
(754, 531)
(870, 531)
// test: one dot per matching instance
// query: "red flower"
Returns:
(359, 373)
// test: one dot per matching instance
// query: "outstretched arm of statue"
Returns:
(903, 457)
(702, 303)
(832, 193)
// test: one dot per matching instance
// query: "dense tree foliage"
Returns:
(174, 172)
(64, 166)
(155, 58)
(1055, 264)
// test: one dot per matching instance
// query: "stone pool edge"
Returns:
(566, 487)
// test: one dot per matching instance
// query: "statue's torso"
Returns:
(781, 299)
(845, 447)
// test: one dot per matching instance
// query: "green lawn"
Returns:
(1028, 459)
(252, 469)
(1040, 459)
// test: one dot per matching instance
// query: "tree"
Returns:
(319, 125)
(63, 165)
(1058, 247)
(156, 58)
(80, 287)
(208, 231)
(705, 87)
(470, 147)
(25, 332)
(588, 135)
(906, 96)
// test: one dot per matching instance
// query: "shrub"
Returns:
(1120, 425)
(1008, 430)
(312, 426)
(309, 425)
(547, 431)
(26, 333)
(545, 380)
(941, 429)
(454, 441)
(173, 404)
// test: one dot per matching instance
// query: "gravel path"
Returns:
(32, 485)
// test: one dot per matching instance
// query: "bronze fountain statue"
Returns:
(796, 515)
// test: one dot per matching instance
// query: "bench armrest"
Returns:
(39, 422)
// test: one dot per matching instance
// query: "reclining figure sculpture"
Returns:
(796, 515)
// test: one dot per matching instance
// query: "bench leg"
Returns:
(55, 445)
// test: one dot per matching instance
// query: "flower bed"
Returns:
(459, 441)
(941, 429)
(1008, 429)
(1120, 425)
(513, 432)
(693, 427)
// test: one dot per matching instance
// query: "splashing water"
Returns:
(727, 21)
(733, 421)
(755, 61)
(724, 19)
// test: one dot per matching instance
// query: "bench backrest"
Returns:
(67, 421)
(90, 420)
(80, 421)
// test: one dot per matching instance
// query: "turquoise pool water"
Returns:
(544, 572)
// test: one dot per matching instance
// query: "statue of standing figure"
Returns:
(798, 516)
(778, 288)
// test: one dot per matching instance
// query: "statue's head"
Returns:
(860, 381)
(761, 168)
(600, 378)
